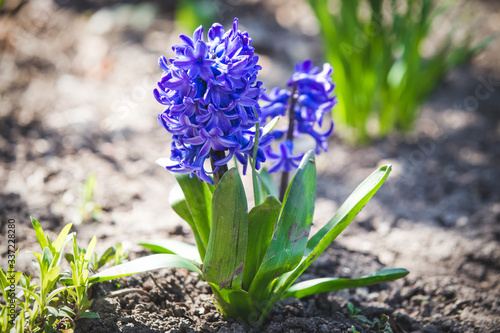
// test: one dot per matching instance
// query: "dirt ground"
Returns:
(76, 80)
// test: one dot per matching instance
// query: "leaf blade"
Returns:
(290, 238)
(228, 234)
(315, 286)
(144, 264)
(172, 246)
(39, 233)
(198, 197)
(180, 206)
(261, 223)
(325, 236)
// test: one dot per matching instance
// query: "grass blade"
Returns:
(315, 286)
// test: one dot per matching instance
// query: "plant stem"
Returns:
(222, 169)
(289, 136)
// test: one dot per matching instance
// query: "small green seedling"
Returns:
(77, 295)
(8, 318)
(59, 298)
(88, 210)
(381, 325)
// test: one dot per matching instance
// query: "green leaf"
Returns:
(261, 223)
(154, 261)
(172, 246)
(290, 238)
(180, 206)
(198, 198)
(90, 315)
(236, 304)
(47, 259)
(60, 241)
(346, 213)
(50, 279)
(39, 233)
(225, 259)
(106, 257)
(316, 286)
(270, 125)
(90, 248)
(69, 257)
(325, 236)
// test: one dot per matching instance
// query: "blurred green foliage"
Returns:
(375, 48)
(190, 14)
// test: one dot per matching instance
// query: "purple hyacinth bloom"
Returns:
(312, 91)
(210, 93)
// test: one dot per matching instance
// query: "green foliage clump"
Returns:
(376, 49)
(60, 297)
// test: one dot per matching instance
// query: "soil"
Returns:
(75, 84)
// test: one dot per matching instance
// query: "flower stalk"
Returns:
(218, 171)
(289, 137)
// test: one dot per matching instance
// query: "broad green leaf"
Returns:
(198, 197)
(261, 223)
(172, 246)
(236, 304)
(154, 261)
(290, 238)
(180, 206)
(39, 233)
(225, 258)
(325, 236)
(316, 286)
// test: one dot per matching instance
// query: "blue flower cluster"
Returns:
(310, 99)
(211, 93)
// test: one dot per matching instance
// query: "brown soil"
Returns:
(76, 98)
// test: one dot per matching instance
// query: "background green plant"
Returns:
(189, 14)
(375, 48)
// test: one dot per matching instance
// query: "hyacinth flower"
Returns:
(310, 98)
(250, 257)
(211, 93)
